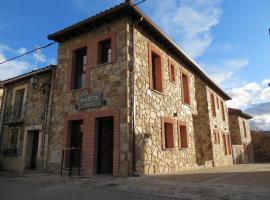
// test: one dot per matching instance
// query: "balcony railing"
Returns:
(14, 113)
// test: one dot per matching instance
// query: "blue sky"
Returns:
(229, 39)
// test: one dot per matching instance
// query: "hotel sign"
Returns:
(92, 100)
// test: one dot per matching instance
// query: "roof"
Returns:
(147, 25)
(234, 111)
(28, 74)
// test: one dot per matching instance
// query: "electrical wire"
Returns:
(28, 52)
(45, 46)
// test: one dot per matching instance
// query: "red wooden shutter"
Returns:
(229, 144)
(213, 106)
(169, 140)
(172, 73)
(183, 137)
(244, 127)
(185, 88)
(225, 144)
(223, 111)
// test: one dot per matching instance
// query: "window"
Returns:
(223, 111)
(172, 72)
(105, 51)
(13, 140)
(167, 133)
(156, 72)
(79, 68)
(213, 106)
(185, 89)
(217, 103)
(229, 144)
(216, 137)
(225, 144)
(18, 104)
(183, 142)
(245, 129)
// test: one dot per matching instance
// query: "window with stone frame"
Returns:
(225, 144)
(79, 68)
(229, 144)
(167, 133)
(217, 103)
(223, 110)
(244, 128)
(213, 106)
(105, 51)
(185, 89)
(172, 72)
(18, 104)
(183, 136)
(12, 140)
(216, 137)
(156, 72)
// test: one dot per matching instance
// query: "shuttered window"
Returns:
(168, 135)
(229, 144)
(223, 111)
(156, 72)
(213, 106)
(225, 144)
(172, 72)
(183, 135)
(185, 89)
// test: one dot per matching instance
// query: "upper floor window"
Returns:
(79, 68)
(213, 106)
(18, 102)
(172, 72)
(225, 144)
(156, 72)
(185, 89)
(105, 51)
(217, 103)
(245, 129)
(223, 111)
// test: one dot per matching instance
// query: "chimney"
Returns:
(128, 1)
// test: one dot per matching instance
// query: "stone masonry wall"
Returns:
(261, 141)
(152, 106)
(203, 140)
(239, 139)
(33, 116)
(111, 79)
(220, 125)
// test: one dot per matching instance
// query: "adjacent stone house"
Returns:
(260, 143)
(241, 136)
(1, 96)
(128, 100)
(23, 128)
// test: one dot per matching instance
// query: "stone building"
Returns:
(260, 143)
(128, 100)
(23, 128)
(241, 136)
(1, 96)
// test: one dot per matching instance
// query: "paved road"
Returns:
(28, 188)
(238, 182)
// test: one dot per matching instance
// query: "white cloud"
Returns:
(225, 71)
(12, 68)
(190, 22)
(254, 98)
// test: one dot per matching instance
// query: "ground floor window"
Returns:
(183, 136)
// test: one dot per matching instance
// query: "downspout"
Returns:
(133, 99)
(2, 116)
(48, 121)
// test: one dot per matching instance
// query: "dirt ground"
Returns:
(237, 182)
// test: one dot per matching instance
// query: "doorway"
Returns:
(104, 145)
(32, 150)
(75, 143)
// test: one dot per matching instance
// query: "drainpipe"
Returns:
(48, 121)
(2, 116)
(133, 99)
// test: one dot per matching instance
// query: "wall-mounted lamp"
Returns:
(37, 86)
(175, 114)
